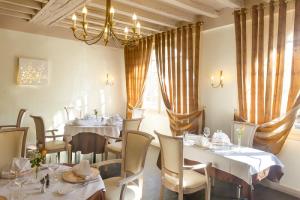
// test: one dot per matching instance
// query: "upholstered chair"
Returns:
(53, 146)
(115, 147)
(248, 134)
(19, 120)
(134, 149)
(176, 176)
(137, 113)
(87, 142)
(12, 144)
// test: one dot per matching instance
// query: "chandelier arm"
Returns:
(95, 41)
(91, 39)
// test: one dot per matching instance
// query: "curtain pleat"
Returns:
(178, 71)
(261, 73)
(254, 64)
(269, 81)
(137, 60)
(244, 62)
(280, 60)
(295, 73)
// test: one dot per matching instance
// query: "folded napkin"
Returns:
(220, 137)
(83, 169)
(20, 165)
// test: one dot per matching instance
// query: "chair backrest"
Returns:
(248, 135)
(88, 142)
(132, 124)
(12, 144)
(73, 112)
(134, 149)
(137, 113)
(39, 130)
(20, 117)
(171, 149)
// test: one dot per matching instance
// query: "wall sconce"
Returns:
(109, 80)
(220, 83)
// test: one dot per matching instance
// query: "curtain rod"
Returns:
(183, 27)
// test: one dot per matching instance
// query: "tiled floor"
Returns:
(221, 191)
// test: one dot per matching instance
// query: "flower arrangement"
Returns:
(96, 113)
(37, 159)
(240, 132)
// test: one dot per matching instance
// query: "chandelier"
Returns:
(107, 33)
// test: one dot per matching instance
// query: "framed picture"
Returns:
(32, 71)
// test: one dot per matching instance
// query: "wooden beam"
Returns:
(18, 9)
(123, 21)
(56, 10)
(14, 14)
(24, 3)
(42, 1)
(193, 7)
(231, 3)
(145, 16)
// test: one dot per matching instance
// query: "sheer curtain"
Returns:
(268, 75)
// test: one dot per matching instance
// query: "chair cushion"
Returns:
(113, 191)
(115, 147)
(55, 144)
(191, 179)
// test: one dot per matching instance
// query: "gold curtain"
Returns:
(177, 56)
(137, 60)
(266, 91)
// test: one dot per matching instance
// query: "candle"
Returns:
(74, 18)
(126, 32)
(138, 26)
(112, 12)
(105, 33)
(84, 12)
(134, 18)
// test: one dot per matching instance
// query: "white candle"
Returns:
(74, 18)
(138, 26)
(134, 18)
(126, 32)
(112, 12)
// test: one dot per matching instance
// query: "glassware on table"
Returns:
(206, 132)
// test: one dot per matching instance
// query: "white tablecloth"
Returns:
(32, 190)
(242, 162)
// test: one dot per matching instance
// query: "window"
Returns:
(152, 99)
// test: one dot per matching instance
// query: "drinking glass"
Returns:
(206, 132)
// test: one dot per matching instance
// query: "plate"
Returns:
(71, 177)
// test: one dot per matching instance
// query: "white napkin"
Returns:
(220, 137)
(83, 169)
(21, 165)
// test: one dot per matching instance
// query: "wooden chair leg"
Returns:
(207, 193)
(94, 157)
(106, 155)
(161, 196)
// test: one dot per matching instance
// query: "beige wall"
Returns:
(77, 73)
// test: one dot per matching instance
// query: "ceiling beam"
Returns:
(18, 9)
(123, 21)
(231, 3)
(145, 16)
(14, 14)
(160, 9)
(56, 10)
(193, 7)
(42, 1)
(24, 3)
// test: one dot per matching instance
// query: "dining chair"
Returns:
(87, 142)
(134, 150)
(19, 120)
(73, 112)
(116, 146)
(248, 134)
(12, 144)
(137, 113)
(53, 146)
(176, 176)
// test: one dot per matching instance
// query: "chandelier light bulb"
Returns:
(112, 10)
(84, 10)
(74, 17)
(126, 30)
(134, 17)
(138, 26)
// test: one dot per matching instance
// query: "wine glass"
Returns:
(206, 132)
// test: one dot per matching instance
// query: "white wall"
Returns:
(77, 72)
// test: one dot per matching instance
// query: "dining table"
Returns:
(242, 166)
(28, 187)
